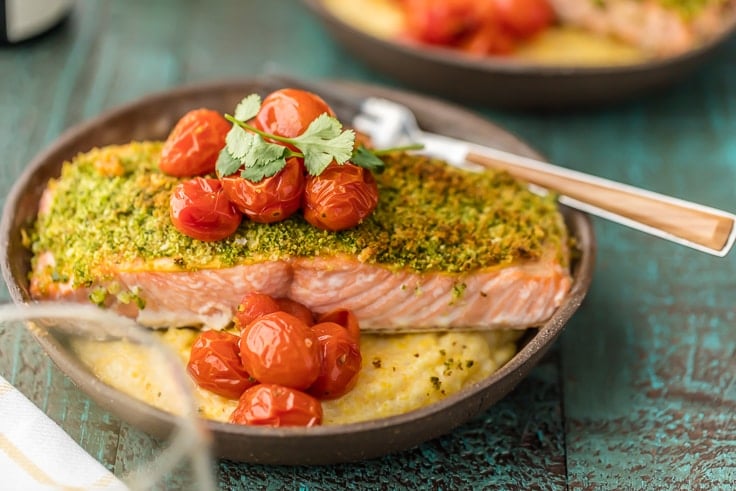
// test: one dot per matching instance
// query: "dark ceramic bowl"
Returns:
(151, 118)
(508, 83)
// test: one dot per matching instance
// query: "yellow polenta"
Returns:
(400, 372)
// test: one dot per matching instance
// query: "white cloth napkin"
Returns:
(37, 454)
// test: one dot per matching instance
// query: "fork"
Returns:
(391, 124)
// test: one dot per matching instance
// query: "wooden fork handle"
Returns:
(687, 221)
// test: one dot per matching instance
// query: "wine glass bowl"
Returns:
(181, 453)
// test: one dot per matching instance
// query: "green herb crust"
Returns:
(110, 211)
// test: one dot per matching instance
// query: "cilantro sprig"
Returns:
(248, 148)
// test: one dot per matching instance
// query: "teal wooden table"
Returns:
(639, 392)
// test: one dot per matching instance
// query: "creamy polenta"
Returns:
(400, 373)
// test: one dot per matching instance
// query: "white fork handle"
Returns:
(690, 224)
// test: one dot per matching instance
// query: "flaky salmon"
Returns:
(445, 249)
(660, 27)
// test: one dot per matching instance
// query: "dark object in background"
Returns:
(25, 19)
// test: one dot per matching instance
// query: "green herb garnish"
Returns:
(323, 141)
(365, 158)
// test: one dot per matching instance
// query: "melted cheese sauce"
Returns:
(559, 45)
(400, 373)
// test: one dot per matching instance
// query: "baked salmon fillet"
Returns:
(659, 27)
(445, 249)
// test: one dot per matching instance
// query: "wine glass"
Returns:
(70, 332)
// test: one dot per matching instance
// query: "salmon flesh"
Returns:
(659, 27)
(445, 249)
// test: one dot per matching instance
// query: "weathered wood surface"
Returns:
(640, 393)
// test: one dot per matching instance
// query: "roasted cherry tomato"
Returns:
(341, 361)
(275, 405)
(252, 306)
(288, 112)
(492, 38)
(442, 22)
(346, 318)
(200, 209)
(524, 18)
(272, 199)
(215, 365)
(340, 198)
(477, 26)
(296, 309)
(278, 348)
(194, 144)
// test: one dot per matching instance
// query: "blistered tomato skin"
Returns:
(345, 318)
(200, 209)
(491, 39)
(279, 348)
(273, 199)
(275, 405)
(296, 309)
(341, 361)
(192, 147)
(524, 18)
(215, 365)
(441, 22)
(479, 27)
(288, 112)
(340, 198)
(252, 306)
